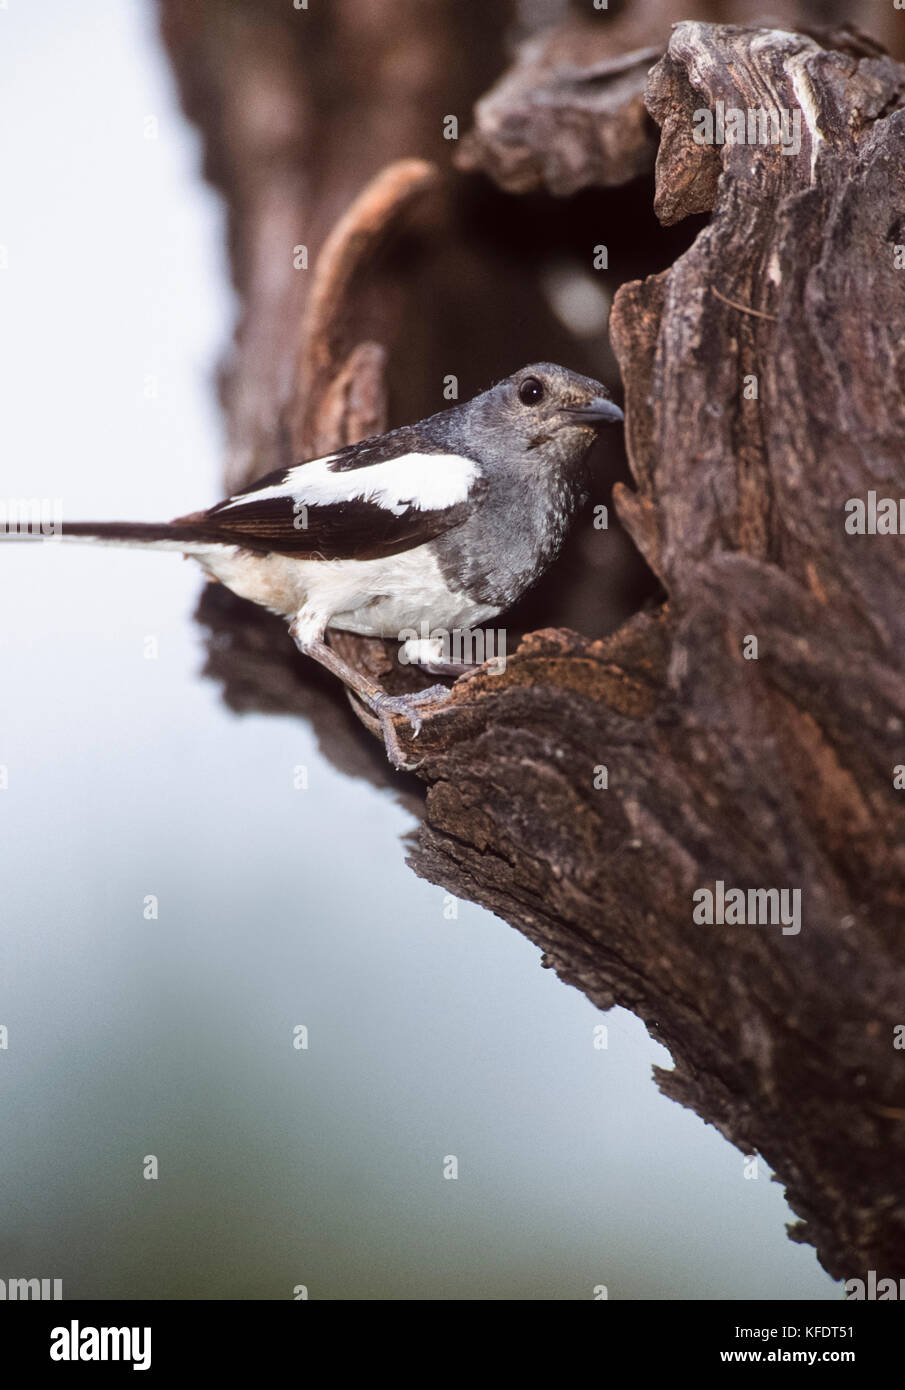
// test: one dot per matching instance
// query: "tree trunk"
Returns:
(744, 729)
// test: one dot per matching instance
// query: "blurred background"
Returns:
(185, 886)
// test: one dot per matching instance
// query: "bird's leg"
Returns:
(428, 653)
(384, 706)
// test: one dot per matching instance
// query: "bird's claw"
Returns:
(386, 707)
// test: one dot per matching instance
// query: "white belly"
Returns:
(377, 598)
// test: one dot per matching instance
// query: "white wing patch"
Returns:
(427, 482)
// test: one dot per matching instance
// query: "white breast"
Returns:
(377, 598)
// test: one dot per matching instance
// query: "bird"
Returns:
(442, 524)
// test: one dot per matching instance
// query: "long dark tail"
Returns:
(160, 535)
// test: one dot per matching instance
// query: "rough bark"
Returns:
(569, 114)
(774, 772)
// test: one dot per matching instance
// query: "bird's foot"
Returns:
(386, 707)
(448, 668)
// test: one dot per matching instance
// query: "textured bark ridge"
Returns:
(590, 789)
(570, 114)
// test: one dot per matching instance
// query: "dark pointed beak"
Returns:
(596, 413)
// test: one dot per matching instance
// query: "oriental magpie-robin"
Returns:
(445, 523)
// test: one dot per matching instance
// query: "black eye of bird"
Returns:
(530, 391)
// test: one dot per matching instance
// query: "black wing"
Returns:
(365, 502)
